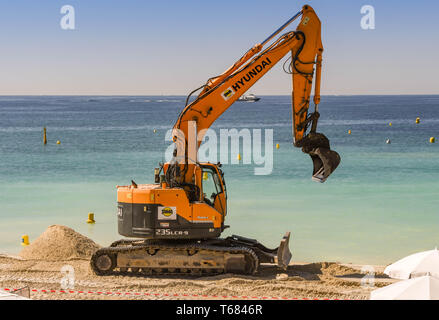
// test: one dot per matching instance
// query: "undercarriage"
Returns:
(234, 254)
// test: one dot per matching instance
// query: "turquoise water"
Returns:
(379, 205)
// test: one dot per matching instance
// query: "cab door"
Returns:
(213, 190)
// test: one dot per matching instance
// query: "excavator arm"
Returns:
(220, 92)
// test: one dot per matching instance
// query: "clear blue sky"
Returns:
(170, 47)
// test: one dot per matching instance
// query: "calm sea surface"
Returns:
(381, 203)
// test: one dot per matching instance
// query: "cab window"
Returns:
(211, 186)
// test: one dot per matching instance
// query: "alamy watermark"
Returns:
(68, 279)
(368, 281)
(224, 148)
(67, 21)
(367, 21)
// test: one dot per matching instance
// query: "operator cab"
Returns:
(213, 186)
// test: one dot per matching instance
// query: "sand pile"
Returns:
(59, 243)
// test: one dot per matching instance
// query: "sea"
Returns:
(381, 204)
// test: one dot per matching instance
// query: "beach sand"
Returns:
(40, 271)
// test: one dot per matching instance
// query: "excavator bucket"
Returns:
(325, 160)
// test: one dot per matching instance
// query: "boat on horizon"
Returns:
(249, 98)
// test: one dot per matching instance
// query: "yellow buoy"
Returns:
(390, 124)
(58, 142)
(432, 140)
(91, 218)
(277, 145)
(239, 157)
(155, 130)
(417, 120)
(349, 131)
(44, 136)
(25, 240)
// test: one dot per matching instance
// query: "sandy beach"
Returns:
(304, 281)
(39, 268)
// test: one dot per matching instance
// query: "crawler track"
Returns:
(127, 257)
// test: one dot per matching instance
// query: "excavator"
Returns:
(173, 225)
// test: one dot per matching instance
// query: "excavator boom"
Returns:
(219, 93)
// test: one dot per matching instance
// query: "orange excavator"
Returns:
(174, 225)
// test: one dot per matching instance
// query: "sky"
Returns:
(143, 47)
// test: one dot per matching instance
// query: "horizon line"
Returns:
(182, 95)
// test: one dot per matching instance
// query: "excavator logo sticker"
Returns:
(228, 93)
(167, 213)
(305, 21)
